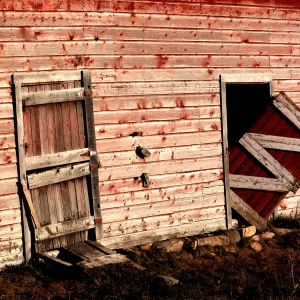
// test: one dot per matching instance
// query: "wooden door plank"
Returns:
(277, 142)
(46, 77)
(35, 150)
(56, 96)
(242, 208)
(100, 247)
(258, 183)
(288, 108)
(54, 230)
(56, 159)
(85, 251)
(78, 141)
(58, 175)
(51, 258)
(268, 161)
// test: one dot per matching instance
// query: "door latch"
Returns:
(145, 180)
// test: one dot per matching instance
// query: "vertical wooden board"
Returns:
(57, 140)
(91, 137)
(35, 130)
(67, 187)
(77, 129)
(83, 197)
(52, 189)
(44, 149)
(27, 131)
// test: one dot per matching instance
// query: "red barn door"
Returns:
(265, 163)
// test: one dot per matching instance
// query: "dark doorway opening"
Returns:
(245, 103)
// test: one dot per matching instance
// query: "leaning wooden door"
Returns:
(265, 165)
(57, 159)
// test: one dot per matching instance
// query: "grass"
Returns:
(223, 272)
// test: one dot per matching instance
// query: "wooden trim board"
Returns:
(242, 208)
(58, 229)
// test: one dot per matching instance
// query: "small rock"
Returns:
(248, 231)
(256, 246)
(191, 243)
(234, 224)
(218, 240)
(268, 235)
(145, 247)
(256, 238)
(170, 246)
(170, 281)
(233, 235)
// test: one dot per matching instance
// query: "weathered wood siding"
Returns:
(155, 70)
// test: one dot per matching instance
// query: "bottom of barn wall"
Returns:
(150, 236)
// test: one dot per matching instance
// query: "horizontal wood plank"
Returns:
(11, 259)
(10, 216)
(55, 230)
(8, 187)
(11, 231)
(45, 77)
(107, 131)
(58, 175)
(58, 96)
(258, 183)
(156, 168)
(151, 236)
(9, 202)
(155, 101)
(130, 157)
(277, 142)
(25, 34)
(7, 156)
(56, 159)
(159, 181)
(163, 114)
(151, 88)
(136, 48)
(162, 20)
(7, 141)
(6, 126)
(167, 61)
(6, 111)
(162, 221)
(161, 34)
(192, 195)
(158, 141)
(8, 171)
(11, 247)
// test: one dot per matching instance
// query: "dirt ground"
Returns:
(227, 272)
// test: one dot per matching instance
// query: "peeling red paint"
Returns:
(161, 60)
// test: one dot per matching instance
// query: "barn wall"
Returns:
(155, 68)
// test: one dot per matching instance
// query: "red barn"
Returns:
(130, 122)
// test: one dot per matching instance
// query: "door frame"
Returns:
(235, 79)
